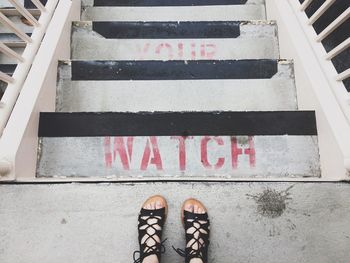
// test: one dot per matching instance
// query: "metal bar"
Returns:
(320, 11)
(6, 78)
(24, 12)
(304, 5)
(334, 25)
(338, 49)
(9, 52)
(344, 75)
(8, 23)
(39, 5)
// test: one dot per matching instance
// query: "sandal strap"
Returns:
(201, 225)
(144, 225)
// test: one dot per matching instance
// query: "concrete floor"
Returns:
(251, 222)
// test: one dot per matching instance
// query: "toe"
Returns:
(196, 209)
(189, 208)
(159, 205)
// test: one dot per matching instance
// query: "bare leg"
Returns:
(196, 208)
(152, 204)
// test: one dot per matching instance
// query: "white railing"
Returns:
(15, 82)
(335, 78)
(49, 43)
(319, 85)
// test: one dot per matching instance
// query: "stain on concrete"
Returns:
(271, 203)
(63, 221)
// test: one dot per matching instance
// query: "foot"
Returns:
(151, 221)
(196, 222)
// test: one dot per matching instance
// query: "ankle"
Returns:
(150, 259)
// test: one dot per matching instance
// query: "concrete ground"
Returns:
(251, 222)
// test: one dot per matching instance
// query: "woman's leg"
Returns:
(151, 220)
(196, 222)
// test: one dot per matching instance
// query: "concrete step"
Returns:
(271, 82)
(4, 59)
(20, 23)
(178, 145)
(12, 41)
(168, 2)
(177, 13)
(174, 41)
(250, 222)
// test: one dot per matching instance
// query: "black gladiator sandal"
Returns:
(197, 229)
(150, 225)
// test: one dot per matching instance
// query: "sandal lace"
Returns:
(138, 259)
(144, 227)
(201, 241)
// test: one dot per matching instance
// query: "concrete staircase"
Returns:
(192, 93)
(160, 90)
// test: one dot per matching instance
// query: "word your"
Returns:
(178, 50)
(178, 152)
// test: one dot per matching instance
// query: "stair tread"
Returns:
(173, 3)
(162, 157)
(154, 40)
(180, 95)
(187, 13)
(259, 141)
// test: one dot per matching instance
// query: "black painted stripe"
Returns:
(171, 70)
(29, 4)
(167, 2)
(167, 30)
(177, 123)
(8, 68)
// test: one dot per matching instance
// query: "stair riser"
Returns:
(87, 44)
(185, 157)
(197, 13)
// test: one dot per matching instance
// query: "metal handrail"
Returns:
(32, 44)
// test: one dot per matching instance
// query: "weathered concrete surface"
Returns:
(19, 23)
(91, 2)
(202, 157)
(251, 222)
(186, 13)
(6, 4)
(277, 93)
(87, 44)
(8, 60)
